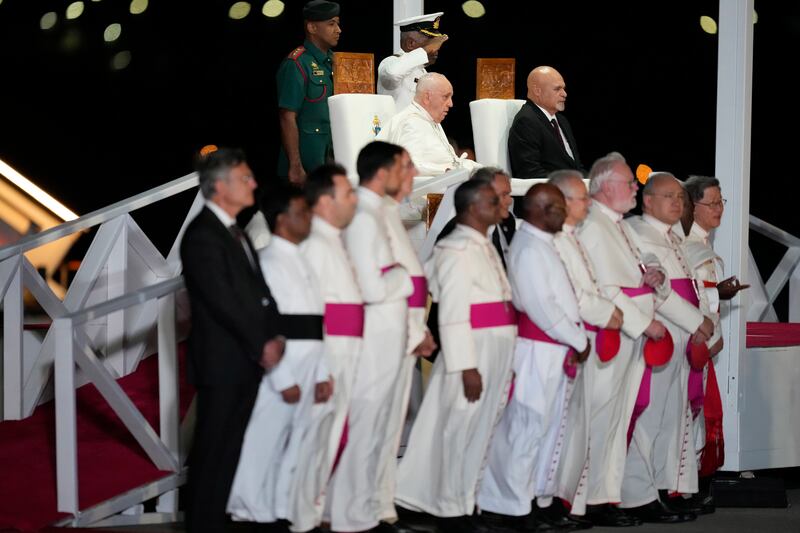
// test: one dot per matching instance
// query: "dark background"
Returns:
(641, 78)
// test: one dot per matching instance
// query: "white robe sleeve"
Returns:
(541, 303)
(394, 69)
(281, 377)
(376, 287)
(454, 281)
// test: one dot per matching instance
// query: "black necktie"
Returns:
(557, 132)
(238, 234)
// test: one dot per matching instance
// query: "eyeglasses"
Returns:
(713, 205)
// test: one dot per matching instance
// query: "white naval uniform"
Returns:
(398, 75)
(325, 253)
(274, 446)
(662, 453)
(616, 266)
(404, 253)
(524, 452)
(583, 458)
(441, 470)
(385, 286)
(425, 140)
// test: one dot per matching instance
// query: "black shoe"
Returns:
(657, 512)
(695, 505)
(397, 527)
(557, 516)
(527, 523)
(610, 516)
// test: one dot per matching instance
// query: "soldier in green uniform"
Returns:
(305, 80)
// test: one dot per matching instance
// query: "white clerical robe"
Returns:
(441, 470)
(425, 140)
(525, 449)
(615, 262)
(326, 255)
(662, 453)
(398, 75)
(406, 256)
(583, 457)
(708, 269)
(354, 499)
(274, 447)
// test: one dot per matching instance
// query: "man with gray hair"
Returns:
(234, 337)
(418, 128)
(622, 278)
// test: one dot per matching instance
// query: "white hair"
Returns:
(427, 83)
(602, 169)
(653, 177)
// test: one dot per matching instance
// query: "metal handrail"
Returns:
(100, 216)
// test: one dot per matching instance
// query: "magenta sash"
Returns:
(685, 289)
(642, 400)
(492, 315)
(345, 320)
(529, 330)
(633, 292)
(420, 295)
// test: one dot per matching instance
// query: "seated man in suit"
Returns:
(418, 128)
(540, 139)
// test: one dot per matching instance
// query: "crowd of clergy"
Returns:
(572, 381)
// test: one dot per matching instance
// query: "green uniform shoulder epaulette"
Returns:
(297, 52)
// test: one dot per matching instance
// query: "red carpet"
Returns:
(110, 461)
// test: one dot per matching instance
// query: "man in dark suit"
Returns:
(234, 336)
(540, 139)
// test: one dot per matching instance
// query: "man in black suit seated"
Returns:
(540, 139)
(234, 336)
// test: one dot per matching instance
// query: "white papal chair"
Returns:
(355, 121)
(491, 120)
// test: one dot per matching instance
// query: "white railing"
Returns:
(785, 272)
(163, 450)
(120, 259)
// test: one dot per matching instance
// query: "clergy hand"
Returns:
(323, 391)
(655, 330)
(653, 277)
(272, 352)
(716, 348)
(615, 322)
(426, 347)
(291, 395)
(580, 357)
(706, 328)
(473, 386)
(728, 288)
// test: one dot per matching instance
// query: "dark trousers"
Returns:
(222, 416)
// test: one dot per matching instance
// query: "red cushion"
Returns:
(658, 352)
(607, 344)
(698, 355)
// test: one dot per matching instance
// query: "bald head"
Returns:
(663, 197)
(435, 95)
(546, 88)
(545, 207)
